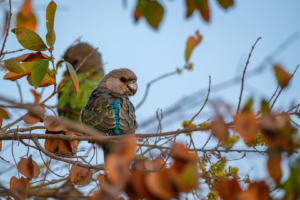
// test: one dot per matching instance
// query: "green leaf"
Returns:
(248, 105)
(265, 109)
(73, 76)
(201, 5)
(28, 38)
(151, 10)
(58, 64)
(50, 15)
(226, 3)
(282, 76)
(14, 66)
(39, 71)
(189, 177)
(191, 43)
(3, 114)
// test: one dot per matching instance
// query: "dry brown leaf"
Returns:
(191, 43)
(52, 145)
(29, 167)
(30, 118)
(52, 125)
(159, 185)
(118, 168)
(31, 57)
(219, 128)
(21, 186)
(256, 191)
(37, 96)
(274, 167)
(246, 125)
(282, 76)
(126, 148)
(80, 175)
(156, 164)
(228, 189)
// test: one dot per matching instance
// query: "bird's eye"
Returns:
(123, 79)
(74, 62)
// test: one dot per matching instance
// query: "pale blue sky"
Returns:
(227, 40)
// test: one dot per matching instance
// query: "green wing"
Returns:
(97, 114)
(128, 122)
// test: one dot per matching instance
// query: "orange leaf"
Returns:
(51, 145)
(29, 168)
(25, 17)
(228, 189)
(37, 96)
(245, 123)
(274, 167)
(219, 128)
(191, 43)
(282, 76)
(21, 186)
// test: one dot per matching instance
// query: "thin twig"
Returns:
(7, 31)
(244, 72)
(191, 121)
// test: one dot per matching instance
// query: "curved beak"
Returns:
(132, 87)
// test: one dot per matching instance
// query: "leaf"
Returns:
(3, 114)
(29, 39)
(79, 175)
(256, 191)
(188, 178)
(13, 76)
(21, 186)
(59, 63)
(191, 43)
(274, 168)
(282, 76)
(14, 66)
(37, 96)
(156, 164)
(228, 189)
(246, 125)
(248, 106)
(219, 128)
(39, 71)
(118, 168)
(25, 17)
(73, 76)
(265, 109)
(50, 15)
(151, 10)
(29, 167)
(159, 185)
(52, 125)
(226, 3)
(51, 145)
(31, 57)
(201, 5)
(31, 118)
(47, 81)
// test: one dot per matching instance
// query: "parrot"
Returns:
(109, 109)
(69, 104)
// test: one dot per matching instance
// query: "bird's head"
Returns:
(121, 81)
